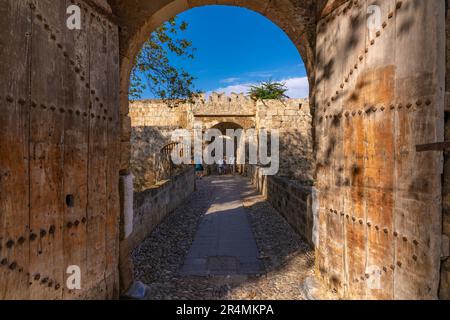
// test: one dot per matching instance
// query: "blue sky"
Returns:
(236, 47)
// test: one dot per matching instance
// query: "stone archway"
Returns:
(223, 126)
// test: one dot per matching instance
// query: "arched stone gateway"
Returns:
(376, 94)
(153, 122)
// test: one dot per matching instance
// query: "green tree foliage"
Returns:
(154, 70)
(268, 90)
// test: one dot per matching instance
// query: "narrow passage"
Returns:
(225, 242)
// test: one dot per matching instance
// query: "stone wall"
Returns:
(218, 108)
(153, 121)
(444, 288)
(294, 121)
(291, 199)
(152, 205)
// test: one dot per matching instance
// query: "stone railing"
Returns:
(144, 211)
(152, 205)
(292, 200)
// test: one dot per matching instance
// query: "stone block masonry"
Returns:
(153, 121)
(152, 205)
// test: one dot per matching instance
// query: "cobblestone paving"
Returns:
(286, 258)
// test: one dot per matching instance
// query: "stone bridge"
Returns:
(154, 121)
(375, 94)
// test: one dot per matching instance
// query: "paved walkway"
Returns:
(224, 243)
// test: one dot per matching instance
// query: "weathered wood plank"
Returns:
(112, 116)
(46, 151)
(437, 146)
(97, 170)
(335, 223)
(14, 150)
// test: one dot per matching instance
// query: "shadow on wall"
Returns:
(147, 163)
